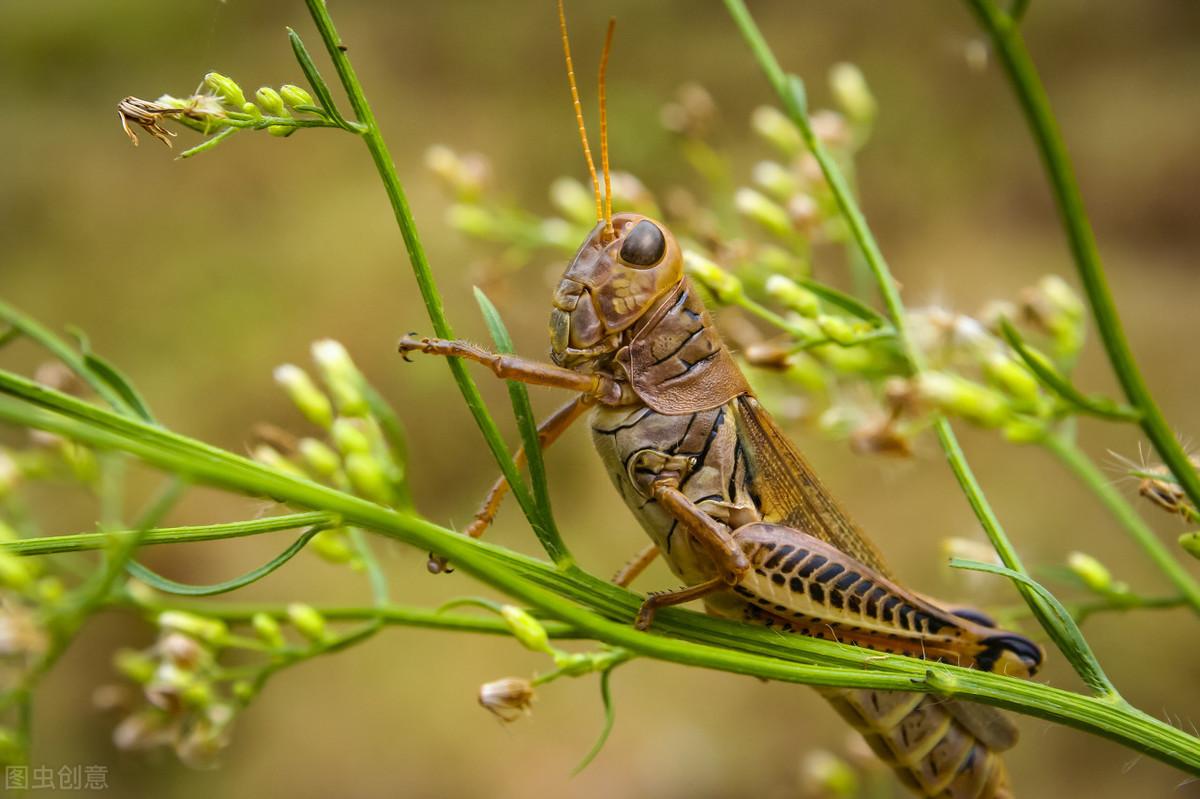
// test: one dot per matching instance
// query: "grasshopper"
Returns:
(730, 503)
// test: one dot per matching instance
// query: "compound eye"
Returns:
(644, 245)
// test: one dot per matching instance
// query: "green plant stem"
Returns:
(790, 92)
(1071, 456)
(77, 542)
(400, 615)
(594, 607)
(420, 263)
(1022, 74)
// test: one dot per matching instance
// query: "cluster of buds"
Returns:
(354, 454)
(179, 696)
(222, 105)
(183, 704)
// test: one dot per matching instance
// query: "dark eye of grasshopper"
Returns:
(644, 245)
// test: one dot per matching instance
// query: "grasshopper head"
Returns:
(613, 281)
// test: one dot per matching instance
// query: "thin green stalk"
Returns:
(1031, 94)
(590, 605)
(78, 542)
(791, 94)
(1071, 456)
(420, 263)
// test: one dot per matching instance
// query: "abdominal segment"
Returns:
(802, 584)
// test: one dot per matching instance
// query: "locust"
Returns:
(728, 501)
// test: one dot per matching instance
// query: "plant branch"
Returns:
(1031, 94)
(1071, 456)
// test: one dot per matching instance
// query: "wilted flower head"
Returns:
(509, 698)
(146, 115)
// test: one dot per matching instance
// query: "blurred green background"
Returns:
(199, 276)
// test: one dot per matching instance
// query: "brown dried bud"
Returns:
(509, 698)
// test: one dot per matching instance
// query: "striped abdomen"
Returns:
(927, 746)
(817, 590)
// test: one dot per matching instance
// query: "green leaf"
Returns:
(849, 304)
(610, 716)
(318, 84)
(1048, 376)
(544, 525)
(111, 376)
(157, 581)
(1073, 644)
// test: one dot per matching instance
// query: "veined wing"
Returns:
(788, 490)
(790, 493)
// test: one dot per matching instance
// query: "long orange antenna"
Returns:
(587, 151)
(608, 37)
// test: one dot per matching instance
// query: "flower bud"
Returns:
(840, 330)
(268, 630)
(1191, 544)
(243, 691)
(269, 456)
(573, 201)
(228, 90)
(319, 457)
(197, 694)
(826, 775)
(15, 572)
(294, 96)
(332, 546)
(349, 437)
(775, 179)
(526, 629)
(10, 474)
(804, 212)
(1011, 376)
(830, 128)
(770, 123)
(763, 211)
(852, 95)
(182, 650)
(309, 622)
(369, 478)
(474, 221)
(212, 631)
(1023, 430)
(342, 377)
(959, 396)
(726, 287)
(304, 393)
(50, 590)
(1091, 572)
(793, 296)
(282, 131)
(252, 111)
(134, 665)
(271, 101)
(509, 698)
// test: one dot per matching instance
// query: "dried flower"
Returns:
(148, 116)
(509, 698)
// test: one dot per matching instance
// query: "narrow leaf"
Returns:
(544, 525)
(157, 581)
(844, 301)
(1048, 376)
(610, 716)
(1072, 642)
(318, 84)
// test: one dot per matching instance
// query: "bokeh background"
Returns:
(199, 277)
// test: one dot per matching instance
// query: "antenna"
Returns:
(587, 151)
(608, 37)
